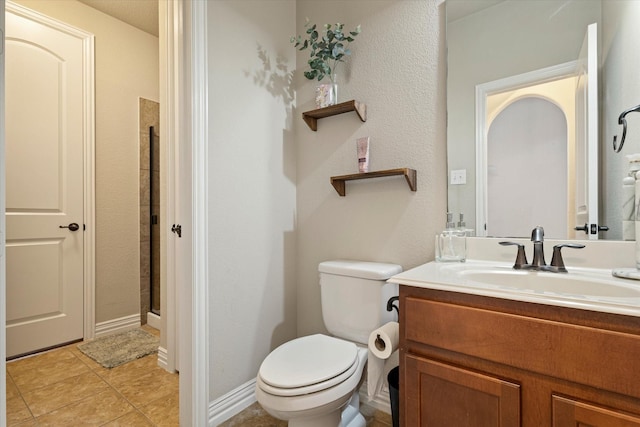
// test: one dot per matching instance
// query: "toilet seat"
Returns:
(308, 365)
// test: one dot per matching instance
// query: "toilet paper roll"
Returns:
(384, 340)
(382, 343)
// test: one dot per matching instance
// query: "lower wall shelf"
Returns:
(339, 182)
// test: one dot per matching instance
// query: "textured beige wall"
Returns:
(126, 68)
(264, 254)
(252, 186)
(398, 68)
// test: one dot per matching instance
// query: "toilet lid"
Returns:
(307, 360)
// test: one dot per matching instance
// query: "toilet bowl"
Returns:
(309, 381)
(313, 381)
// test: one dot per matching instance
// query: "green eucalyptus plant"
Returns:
(326, 50)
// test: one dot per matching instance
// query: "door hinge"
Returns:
(177, 228)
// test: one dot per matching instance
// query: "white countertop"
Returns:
(624, 298)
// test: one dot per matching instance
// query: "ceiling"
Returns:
(142, 14)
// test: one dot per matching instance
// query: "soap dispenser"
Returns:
(451, 243)
(462, 226)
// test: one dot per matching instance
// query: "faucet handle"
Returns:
(556, 259)
(521, 257)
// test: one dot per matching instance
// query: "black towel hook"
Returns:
(622, 121)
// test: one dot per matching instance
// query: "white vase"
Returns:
(327, 93)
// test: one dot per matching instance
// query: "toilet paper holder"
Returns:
(379, 342)
(391, 306)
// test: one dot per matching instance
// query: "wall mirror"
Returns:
(504, 54)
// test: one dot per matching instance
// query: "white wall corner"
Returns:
(232, 403)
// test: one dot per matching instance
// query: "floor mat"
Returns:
(114, 350)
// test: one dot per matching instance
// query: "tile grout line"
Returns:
(22, 398)
(76, 359)
(118, 392)
(135, 408)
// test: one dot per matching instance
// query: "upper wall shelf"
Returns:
(311, 117)
(410, 175)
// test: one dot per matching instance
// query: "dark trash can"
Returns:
(394, 381)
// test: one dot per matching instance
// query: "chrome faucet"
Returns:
(538, 263)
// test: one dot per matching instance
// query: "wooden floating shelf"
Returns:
(410, 175)
(311, 117)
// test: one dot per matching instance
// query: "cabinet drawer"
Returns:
(571, 352)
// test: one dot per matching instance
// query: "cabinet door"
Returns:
(441, 395)
(571, 413)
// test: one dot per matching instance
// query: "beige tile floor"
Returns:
(64, 387)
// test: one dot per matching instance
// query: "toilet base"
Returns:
(350, 416)
(329, 420)
(325, 420)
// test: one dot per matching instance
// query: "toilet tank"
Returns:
(354, 297)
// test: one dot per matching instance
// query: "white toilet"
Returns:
(313, 381)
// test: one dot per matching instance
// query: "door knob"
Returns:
(584, 228)
(72, 227)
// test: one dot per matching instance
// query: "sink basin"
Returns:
(553, 283)
(582, 288)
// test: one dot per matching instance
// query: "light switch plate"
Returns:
(459, 177)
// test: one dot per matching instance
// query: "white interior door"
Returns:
(44, 175)
(587, 136)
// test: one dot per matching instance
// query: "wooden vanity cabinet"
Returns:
(474, 361)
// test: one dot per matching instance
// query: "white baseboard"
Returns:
(162, 358)
(118, 325)
(232, 403)
(153, 320)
